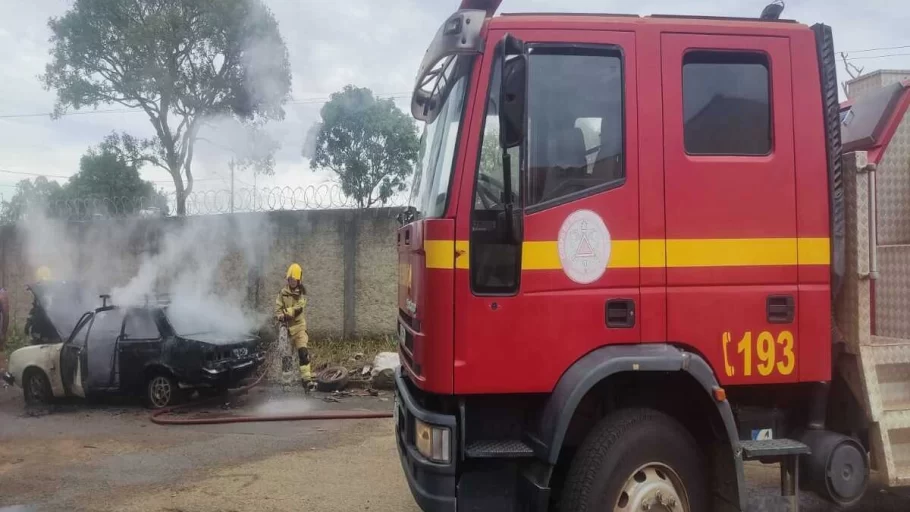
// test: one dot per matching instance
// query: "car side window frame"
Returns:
(83, 322)
(151, 317)
(94, 317)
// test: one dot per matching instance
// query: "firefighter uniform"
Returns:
(289, 309)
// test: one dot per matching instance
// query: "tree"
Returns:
(109, 179)
(369, 143)
(182, 62)
(40, 193)
(107, 183)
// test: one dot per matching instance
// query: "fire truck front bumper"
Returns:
(429, 468)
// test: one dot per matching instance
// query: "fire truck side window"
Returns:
(726, 103)
(494, 264)
(488, 193)
(575, 122)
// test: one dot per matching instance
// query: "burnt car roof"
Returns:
(64, 303)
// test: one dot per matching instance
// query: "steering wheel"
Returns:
(489, 190)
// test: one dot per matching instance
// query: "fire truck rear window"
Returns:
(726, 103)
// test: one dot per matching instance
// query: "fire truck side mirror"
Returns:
(512, 92)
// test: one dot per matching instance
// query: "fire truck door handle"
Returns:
(620, 313)
(780, 309)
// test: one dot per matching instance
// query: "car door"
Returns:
(139, 344)
(731, 226)
(71, 357)
(99, 356)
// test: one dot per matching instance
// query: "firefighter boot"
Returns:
(306, 374)
(306, 377)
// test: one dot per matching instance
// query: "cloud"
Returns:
(330, 44)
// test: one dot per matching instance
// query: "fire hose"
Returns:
(157, 416)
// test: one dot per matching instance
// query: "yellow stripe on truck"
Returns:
(441, 253)
(656, 253)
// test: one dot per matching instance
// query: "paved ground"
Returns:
(109, 457)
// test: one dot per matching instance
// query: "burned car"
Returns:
(126, 350)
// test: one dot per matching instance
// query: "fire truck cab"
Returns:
(617, 269)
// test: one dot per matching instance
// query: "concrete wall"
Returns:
(349, 259)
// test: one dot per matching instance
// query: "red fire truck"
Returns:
(617, 274)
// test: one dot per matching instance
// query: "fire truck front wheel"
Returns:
(637, 459)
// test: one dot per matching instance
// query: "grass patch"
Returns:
(335, 352)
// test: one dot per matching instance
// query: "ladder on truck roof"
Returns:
(874, 335)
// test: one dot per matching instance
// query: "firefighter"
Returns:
(289, 310)
(38, 326)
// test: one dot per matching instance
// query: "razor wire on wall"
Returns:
(325, 196)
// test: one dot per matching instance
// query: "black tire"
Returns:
(36, 388)
(161, 391)
(629, 444)
(332, 379)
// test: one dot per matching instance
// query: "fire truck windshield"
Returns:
(432, 179)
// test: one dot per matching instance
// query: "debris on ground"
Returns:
(383, 374)
(332, 379)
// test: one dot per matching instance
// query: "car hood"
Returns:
(64, 303)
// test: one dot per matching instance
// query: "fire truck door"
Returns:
(732, 246)
(578, 285)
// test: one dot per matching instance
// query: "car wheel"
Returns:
(636, 459)
(36, 387)
(332, 379)
(161, 391)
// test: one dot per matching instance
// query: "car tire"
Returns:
(636, 459)
(161, 391)
(332, 379)
(36, 388)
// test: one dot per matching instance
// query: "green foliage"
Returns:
(369, 143)
(40, 193)
(15, 339)
(104, 174)
(182, 62)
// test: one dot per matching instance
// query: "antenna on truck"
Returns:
(773, 10)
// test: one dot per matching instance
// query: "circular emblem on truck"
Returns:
(584, 246)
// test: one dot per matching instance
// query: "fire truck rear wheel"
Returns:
(637, 459)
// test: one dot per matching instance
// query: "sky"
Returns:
(369, 43)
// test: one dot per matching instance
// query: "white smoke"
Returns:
(200, 266)
(189, 270)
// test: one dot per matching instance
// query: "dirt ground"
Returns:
(109, 457)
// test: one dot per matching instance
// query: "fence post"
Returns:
(350, 231)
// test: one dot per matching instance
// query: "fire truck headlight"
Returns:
(433, 442)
